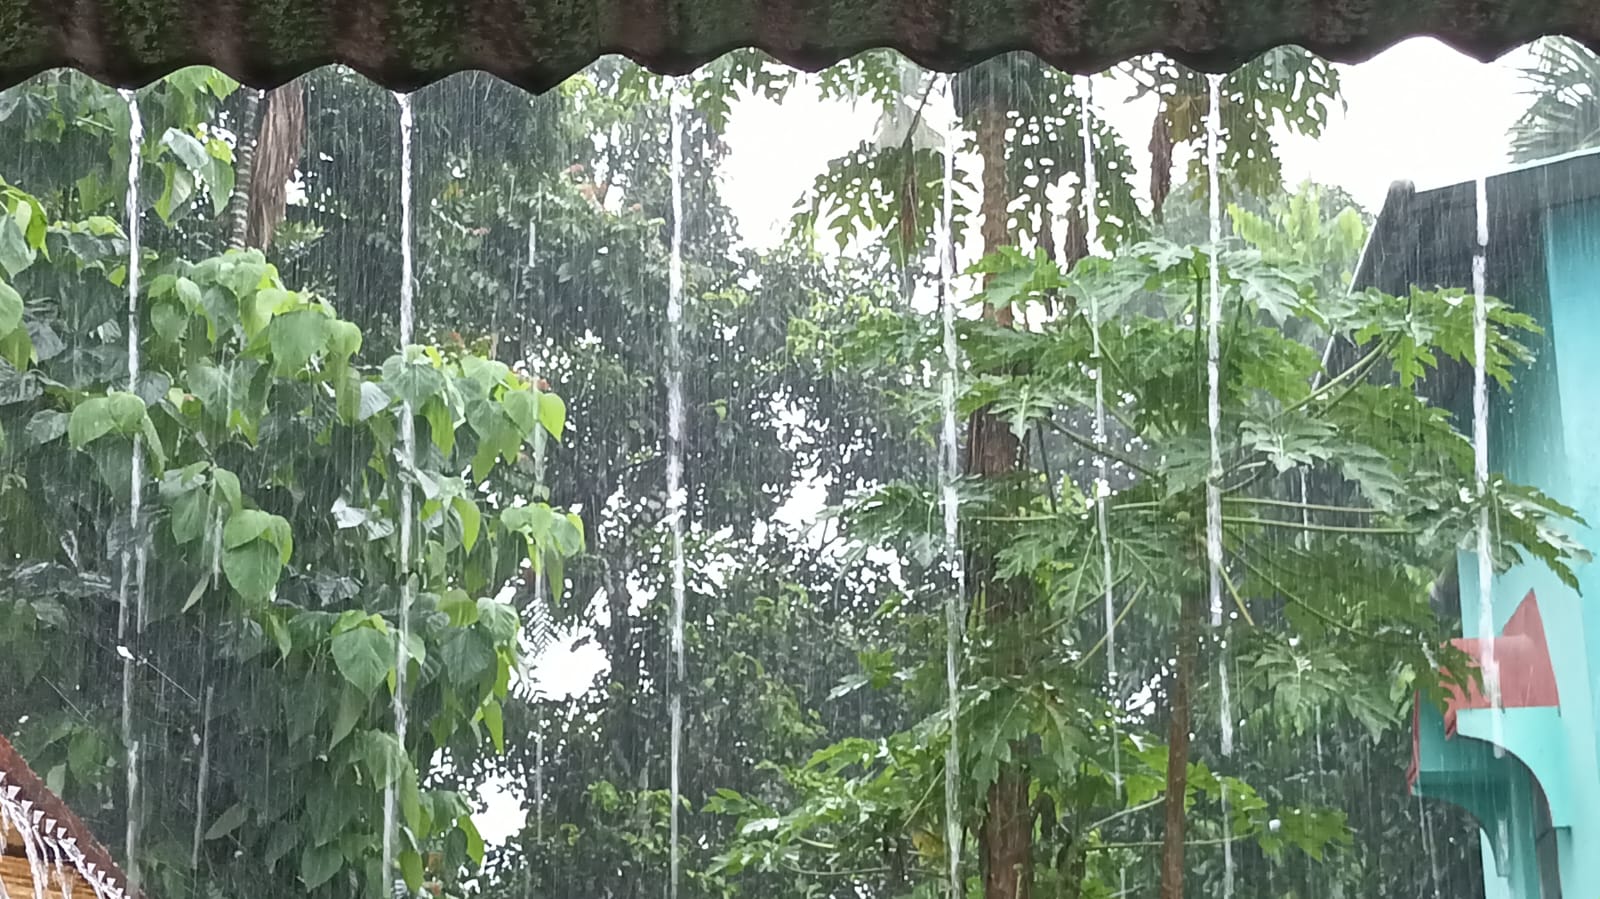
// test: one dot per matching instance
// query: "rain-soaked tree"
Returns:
(815, 712)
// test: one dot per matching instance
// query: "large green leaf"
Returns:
(10, 308)
(318, 864)
(253, 569)
(15, 254)
(114, 413)
(228, 821)
(296, 337)
(383, 757)
(364, 657)
(553, 414)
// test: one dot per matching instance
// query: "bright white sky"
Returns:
(1419, 111)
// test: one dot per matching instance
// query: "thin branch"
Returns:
(1156, 844)
(859, 872)
(1097, 449)
(1356, 371)
(1297, 506)
(1237, 599)
(1324, 528)
(1324, 617)
(1126, 812)
(1100, 643)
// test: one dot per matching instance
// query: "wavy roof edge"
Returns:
(536, 44)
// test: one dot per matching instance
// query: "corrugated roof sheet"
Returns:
(404, 44)
(54, 837)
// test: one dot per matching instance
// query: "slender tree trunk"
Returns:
(244, 156)
(271, 139)
(1182, 700)
(281, 141)
(993, 450)
(1161, 146)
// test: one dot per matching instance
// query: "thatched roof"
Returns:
(45, 851)
(537, 43)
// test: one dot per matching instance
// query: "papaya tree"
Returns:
(1339, 584)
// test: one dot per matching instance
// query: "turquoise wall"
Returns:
(1546, 433)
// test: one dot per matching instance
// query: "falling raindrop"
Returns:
(538, 786)
(950, 505)
(676, 497)
(130, 591)
(408, 449)
(1102, 489)
(1480, 460)
(1214, 427)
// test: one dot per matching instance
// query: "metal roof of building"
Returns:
(404, 44)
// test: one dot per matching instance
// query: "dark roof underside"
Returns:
(404, 44)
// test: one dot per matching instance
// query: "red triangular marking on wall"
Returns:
(1527, 676)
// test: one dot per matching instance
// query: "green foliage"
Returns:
(1331, 596)
(275, 476)
(288, 578)
(1563, 113)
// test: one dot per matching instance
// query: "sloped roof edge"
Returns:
(405, 44)
(53, 831)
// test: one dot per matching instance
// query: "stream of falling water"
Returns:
(1102, 489)
(1480, 460)
(950, 505)
(130, 591)
(1214, 472)
(1102, 483)
(676, 497)
(408, 447)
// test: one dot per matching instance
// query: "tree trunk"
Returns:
(1182, 692)
(994, 451)
(244, 156)
(278, 147)
(271, 138)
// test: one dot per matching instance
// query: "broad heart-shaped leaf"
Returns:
(461, 608)
(318, 864)
(494, 720)
(228, 821)
(441, 425)
(364, 657)
(467, 655)
(45, 426)
(225, 488)
(411, 804)
(411, 870)
(412, 381)
(188, 516)
(474, 839)
(114, 413)
(169, 319)
(373, 401)
(383, 757)
(253, 569)
(17, 347)
(10, 308)
(295, 337)
(15, 254)
(523, 407)
(553, 414)
(189, 151)
(351, 705)
(533, 521)
(471, 520)
(344, 338)
(246, 525)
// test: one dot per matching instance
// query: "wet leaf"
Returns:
(364, 657)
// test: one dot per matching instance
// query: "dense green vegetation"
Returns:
(276, 491)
